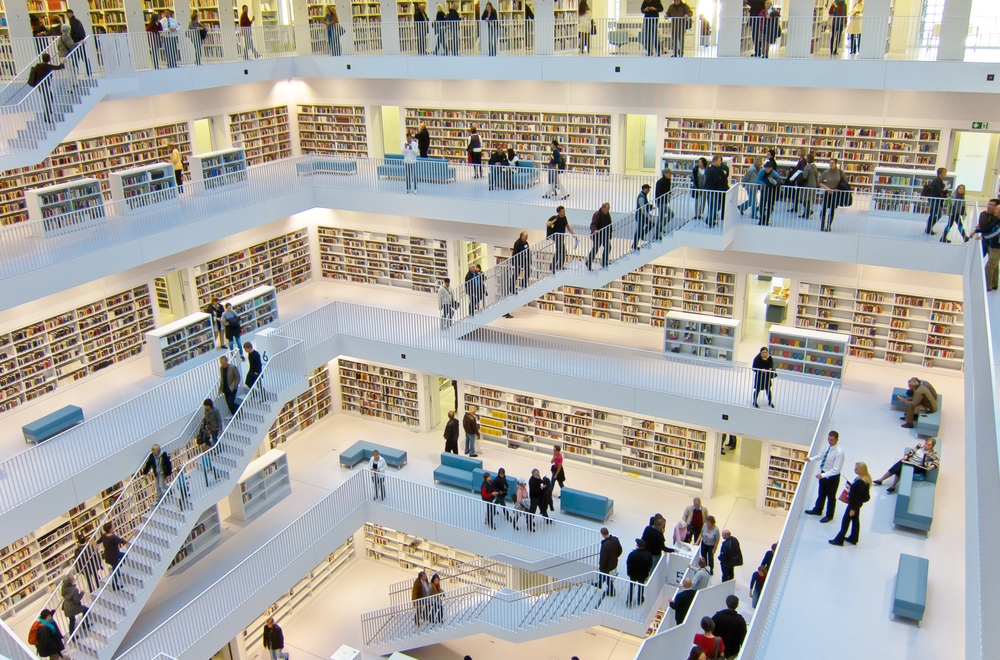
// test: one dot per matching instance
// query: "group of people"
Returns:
(163, 32)
(679, 18)
(763, 24)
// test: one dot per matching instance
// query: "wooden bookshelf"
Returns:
(92, 157)
(860, 149)
(40, 357)
(647, 295)
(372, 390)
(108, 16)
(785, 464)
(584, 138)
(893, 327)
(264, 134)
(306, 409)
(333, 130)
(813, 352)
(409, 262)
(605, 438)
(281, 262)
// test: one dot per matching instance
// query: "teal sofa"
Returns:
(929, 424)
(587, 505)
(429, 170)
(52, 424)
(362, 451)
(909, 597)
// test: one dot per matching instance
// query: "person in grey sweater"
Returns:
(72, 604)
(446, 303)
(829, 181)
(749, 178)
(809, 182)
(710, 536)
(701, 575)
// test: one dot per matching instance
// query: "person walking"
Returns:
(39, 77)
(694, 517)
(421, 590)
(436, 609)
(420, 21)
(584, 25)
(730, 556)
(557, 469)
(488, 495)
(679, 15)
(764, 374)
(208, 436)
(699, 184)
(66, 46)
(72, 601)
(441, 31)
(491, 26)
(854, 27)
(471, 426)
(809, 184)
(956, 215)
(557, 163)
(88, 562)
(520, 256)
(600, 235)
(830, 181)
(681, 602)
(717, 182)
(423, 140)
(48, 637)
(988, 231)
(274, 640)
(233, 328)
(936, 191)
(838, 21)
(254, 365)
(197, 33)
(471, 288)
(538, 497)
(749, 181)
(651, 10)
(706, 640)
(215, 309)
(858, 492)
(757, 584)
(710, 537)
(638, 564)
(828, 475)
(643, 219)
(556, 228)
(158, 464)
(475, 151)
(446, 303)
(661, 198)
(479, 285)
(229, 383)
(111, 545)
(410, 150)
(611, 550)
(377, 466)
(246, 27)
(769, 181)
(731, 626)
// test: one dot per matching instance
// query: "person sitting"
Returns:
(923, 458)
(921, 399)
(497, 175)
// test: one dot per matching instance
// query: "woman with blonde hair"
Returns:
(855, 494)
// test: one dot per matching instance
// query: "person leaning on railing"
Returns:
(198, 34)
(38, 77)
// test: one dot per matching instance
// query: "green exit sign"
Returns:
(980, 125)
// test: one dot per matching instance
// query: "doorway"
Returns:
(640, 144)
(766, 304)
(471, 252)
(171, 300)
(737, 472)
(442, 400)
(203, 140)
(975, 164)
(392, 141)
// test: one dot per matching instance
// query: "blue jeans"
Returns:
(234, 345)
(470, 443)
(751, 201)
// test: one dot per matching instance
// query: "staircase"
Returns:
(198, 484)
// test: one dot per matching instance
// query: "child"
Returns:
(956, 215)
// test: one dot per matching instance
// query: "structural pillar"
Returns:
(19, 26)
(904, 30)
(730, 28)
(545, 19)
(390, 27)
(135, 20)
(345, 14)
(798, 39)
(875, 29)
(303, 33)
(954, 30)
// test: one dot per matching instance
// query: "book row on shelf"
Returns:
(264, 482)
(412, 552)
(398, 260)
(264, 134)
(385, 393)
(333, 130)
(785, 465)
(304, 410)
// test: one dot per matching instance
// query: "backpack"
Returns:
(926, 190)
(562, 160)
(33, 633)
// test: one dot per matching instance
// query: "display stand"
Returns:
(257, 308)
(699, 335)
(66, 207)
(220, 169)
(176, 343)
(811, 352)
(264, 482)
(393, 260)
(136, 186)
(785, 464)
(206, 533)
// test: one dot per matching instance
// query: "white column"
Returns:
(875, 29)
(182, 12)
(545, 18)
(730, 28)
(18, 21)
(904, 31)
(390, 27)
(226, 8)
(798, 39)
(303, 35)
(954, 30)
(134, 19)
(346, 18)
(82, 11)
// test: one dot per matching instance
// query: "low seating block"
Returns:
(52, 424)
(362, 451)
(909, 598)
(588, 505)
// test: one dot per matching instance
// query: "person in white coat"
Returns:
(410, 151)
(446, 303)
(377, 466)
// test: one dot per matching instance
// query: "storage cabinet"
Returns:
(264, 482)
(145, 186)
(179, 342)
(700, 336)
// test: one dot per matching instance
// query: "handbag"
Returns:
(845, 494)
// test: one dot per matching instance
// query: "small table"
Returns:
(777, 309)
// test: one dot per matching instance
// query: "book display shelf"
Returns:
(898, 328)
(108, 16)
(902, 188)
(208, 13)
(385, 393)
(65, 207)
(698, 335)
(652, 448)
(40, 357)
(317, 11)
(412, 552)
(177, 343)
(565, 32)
(307, 408)
(264, 134)
(144, 186)
(680, 166)
(785, 464)
(333, 130)
(860, 149)
(162, 296)
(584, 138)
(217, 169)
(365, 257)
(281, 262)
(264, 482)
(366, 11)
(812, 352)
(257, 308)
(647, 295)
(206, 533)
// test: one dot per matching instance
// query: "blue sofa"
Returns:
(525, 175)
(429, 170)
(915, 498)
(467, 473)
(587, 505)
(52, 424)
(909, 598)
(326, 166)
(929, 424)
(362, 451)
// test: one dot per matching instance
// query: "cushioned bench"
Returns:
(587, 505)
(456, 470)
(362, 451)
(928, 424)
(525, 175)
(429, 170)
(915, 499)
(909, 598)
(327, 166)
(52, 424)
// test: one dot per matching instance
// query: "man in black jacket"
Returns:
(451, 433)
(537, 496)
(717, 181)
(39, 76)
(611, 550)
(730, 556)
(77, 34)
(471, 288)
(158, 462)
(600, 235)
(254, 365)
(521, 262)
(730, 626)
(654, 540)
(638, 565)
(274, 640)
(661, 198)
(471, 426)
(936, 191)
(681, 602)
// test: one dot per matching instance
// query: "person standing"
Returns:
(215, 309)
(694, 517)
(731, 626)
(710, 536)
(838, 21)
(333, 30)
(111, 544)
(859, 492)
(420, 21)
(831, 461)
(809, 182)
(936, 191)
(233, 328)
(488, 494)
(475, 151)
(763, 375)
(652, 536)
(197, 33)
(584, 25)
(717, 182)
(521, 260)
(254, 365)
(72, 601)
(451, 434)
(769, 180)
(454, 20)
(854, 27)
(557, 162)
(471, 426)
(611, 550)
(661, 198)
(471, 288)
(158, 464)
(208, 436)
(171, 29)
(556, 228)
(730, 556)
(229, 383)
(377, 466)
(699, 184)
(78, 34)
(643, 209)
(246, 27)
(491, 25)
(446, 303)
(956, 215)
(988, 231)
(39, 77)
(557, 469)
(501, 487)
(153, 30)
(48, 637)
(423, 140)
(537, 496)
(410, 150)
(441, 31)
(706, 640)
(830, 181)
(651, 10)
(437, 607)
(681, 602)
(274, 640)
(600, 235)
(177, 161)
(701, 576)
(638, 564)
(679, 15)
(749, 180)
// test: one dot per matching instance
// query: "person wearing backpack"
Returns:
(935, 190)
(475, 150)
(46, 636)
(557, 162)
(706, 640)
(858, 492)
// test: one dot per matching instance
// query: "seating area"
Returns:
(327, 166)
(362, 451)
(524, 175)
(52, 424)
(466, 473)
(909, 598)
(429, 170)
(586, 505)
(927, 425)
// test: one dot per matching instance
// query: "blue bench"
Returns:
(429, 170)
(525, 175)
(587, 505)
(52, 424)
(928, 424)
(915, 499)
(467, 473)
(362, 451)
(909, 598)
(327, 166)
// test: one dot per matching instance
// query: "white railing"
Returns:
(674, 641)
(11, 646)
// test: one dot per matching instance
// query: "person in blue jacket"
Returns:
(769, 181)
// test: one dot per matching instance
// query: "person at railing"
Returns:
(471, 427)
(78, 34)
(501, 487)
(714, 647)
(956, 215)
(681, 602)
(701, 576)
(423, 140)
(611, 550)
(808, 184)
(72, 601)
(643, 217)
(333, 30)
(55, 27)
(66, 45)
(923, 458)
(492, 28)
(730, 556)
(153, 30)
(831, 181)
(529, 27)
(112, 545)
(229, 382)
(177, 161)
(158, 464)
(717, 182)
(480, 288)
(769, 556)
(274, 640)
(854, 27)
(441, 31)
(88, 562)
(421, 590)
(651, 10)
(377, 465)
(522, 500)
(38, 29)
(988, 231)
(497, 169)
(246, 27)
(638, 565)
(936, 191)
(537, 492)
(694, 518)
(661, 197)
(254, 365)
(706, 31)
(233, 328)
(679, 15)
(680, 535)
(769, 181)
(446, 303)
(600, 235)
(170, 30)
(410, 150)
(584, 25)
(215, 309)
(39, 78)
(454, 20)
(197, 33)
(48, 638)
(831, 461)
(750, 178)
(471, 288)
(653, 537)
(207, 437)
(710, 536)
(520, 256)
(838, 21)
(475, 150)
(488, 495)
(420, 21)
(556, 228)
(436, 608)
(731, 626)
(858, 492)
(763, 376)
(757, 584)
(699, 183)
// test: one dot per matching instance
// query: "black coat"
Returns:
(716, 179)
(47, 642)
(663, 185)
(535, 489)
(451, 430)
(638, 565)
(150, 464)
(76, 30)
(681, 603)
(730, 554)
(763, 371)
(732, 628)
(273, 637)
(858, 494)
(254, 367)
(611, 550)
(501, 487)
(423, 142)
(653, 538)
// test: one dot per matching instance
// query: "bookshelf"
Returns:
(209, 13)
(584, 138)
(222, 168)
(702, 336)
(785, 464)
(206, 533)
(647, 295)
(908, 182)
(264, 134)
(409, 262)
(372, 390)
(150, 6)
(652, 448)
(893, 327)
(162, 296)
(257, 308)
(812, 352)
(179, 342)
(333, 130)
(317, 11)
(93, 157)
(64, 207)
(281, 262)
(298, 598)
(680, 166)
(860, 149)
(108, 16)
(135, 186)
(501, 253)
(49, 353)
(412, 552)
(366, 11)
(565, 33)
(307, 408)
(264, 482)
